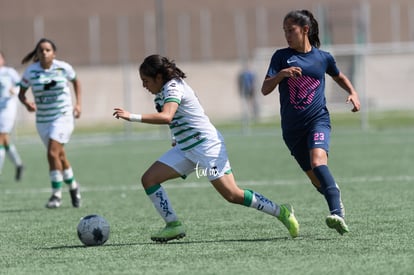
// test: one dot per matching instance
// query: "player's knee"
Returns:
(145, 179)
(53, 154)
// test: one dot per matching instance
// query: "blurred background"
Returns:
(212, 42)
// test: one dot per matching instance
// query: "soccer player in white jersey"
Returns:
(9, 80)
(199, 146)
(49, 81)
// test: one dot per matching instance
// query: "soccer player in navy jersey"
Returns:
(299, 71)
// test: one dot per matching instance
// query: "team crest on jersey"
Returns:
(302, 91)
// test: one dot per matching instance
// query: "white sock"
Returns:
(69, 178)
(160, 200)
(265, 205)
(14, 155)
(56, 179)
(2, 157)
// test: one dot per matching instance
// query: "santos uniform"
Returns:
(54, 114)
(9, 79)
(198, 143)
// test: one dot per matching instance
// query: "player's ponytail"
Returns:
(157, 64)
(32, 56)
(303, 18)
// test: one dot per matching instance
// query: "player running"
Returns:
(198, 145)
(49, 79)
(299, 71)
(9, 80)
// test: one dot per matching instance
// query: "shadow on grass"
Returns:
(22, 210)
(177, 242)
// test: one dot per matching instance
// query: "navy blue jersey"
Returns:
(302, 99)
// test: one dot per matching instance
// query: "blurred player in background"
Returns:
(199, 147)
(49, 80)
(9, 80)
(246, 81)
(299, 71)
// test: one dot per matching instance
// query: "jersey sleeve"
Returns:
(70, 72)
(172, 92)
(25, 80)
(272, 70)
(274, 66)
(331, 69)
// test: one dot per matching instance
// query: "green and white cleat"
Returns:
(287, 217)
(173, 230)
(336, 222)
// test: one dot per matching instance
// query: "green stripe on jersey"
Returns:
(172, 125)
(194, 144)
(188, 138)
(182, 131)
(176, 100)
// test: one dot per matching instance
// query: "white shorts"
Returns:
(59, 130)
(8, 110)
(210, 162)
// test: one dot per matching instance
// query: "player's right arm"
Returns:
(30, 106)
(163, 117)
(271, 82)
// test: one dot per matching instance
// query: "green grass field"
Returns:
(374, 169)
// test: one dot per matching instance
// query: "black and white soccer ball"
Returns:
(93, 230)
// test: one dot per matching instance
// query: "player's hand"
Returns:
(121, 113)
(77, 111)
(294, 72)
(30, 106)
(354, 99)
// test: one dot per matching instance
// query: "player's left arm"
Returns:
(78, 97)
(346, 84)
(163, 117)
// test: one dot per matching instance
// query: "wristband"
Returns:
(135, 117)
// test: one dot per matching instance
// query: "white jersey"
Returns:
(190, 126)
(9, 79)
(50, 89)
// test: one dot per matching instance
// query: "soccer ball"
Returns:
(93, 230)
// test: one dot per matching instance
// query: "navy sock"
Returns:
(329, 189)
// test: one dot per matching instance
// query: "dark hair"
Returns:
(303, 18)
(33, 54)
(157, 64)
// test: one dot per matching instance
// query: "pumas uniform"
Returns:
(52, 94)
(199, 145)
(9, 79)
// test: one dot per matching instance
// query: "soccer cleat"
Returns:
(76, 197)
(173, 230)
(336, 222)
(19, 172)
(342, 208)
(54, 202)
(287, 217)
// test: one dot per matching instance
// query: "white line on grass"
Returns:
(206, 184)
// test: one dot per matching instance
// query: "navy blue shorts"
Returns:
(300, 145)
